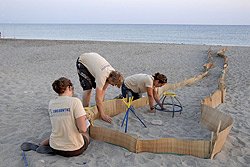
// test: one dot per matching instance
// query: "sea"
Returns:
(228, 35)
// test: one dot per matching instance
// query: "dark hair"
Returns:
(60, 85)
(161, 77)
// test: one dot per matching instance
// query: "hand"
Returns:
(86, 134)
(106, 118)
(152, 110)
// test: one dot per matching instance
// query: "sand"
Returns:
(28, 67)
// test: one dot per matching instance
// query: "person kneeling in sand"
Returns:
(95, 72)
(140, 83)
(69, 123)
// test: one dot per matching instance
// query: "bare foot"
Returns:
(152, 111)
(44, 142)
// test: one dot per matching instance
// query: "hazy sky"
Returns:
(126, 11)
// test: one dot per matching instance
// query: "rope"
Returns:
(24, 159)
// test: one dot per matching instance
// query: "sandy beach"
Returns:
(28, 68)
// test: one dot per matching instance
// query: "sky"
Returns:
(208, 12)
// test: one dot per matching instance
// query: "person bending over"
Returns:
(140, 83)
(95, 72)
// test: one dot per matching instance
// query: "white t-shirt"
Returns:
(97, 66)
(139, 83)
(63, 112)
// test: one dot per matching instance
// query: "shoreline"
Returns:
(28, 67)
(89, 41)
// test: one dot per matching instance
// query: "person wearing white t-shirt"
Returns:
(95, 72)
(69, 135)
(141, 83)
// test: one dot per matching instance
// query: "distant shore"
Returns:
(86, 41)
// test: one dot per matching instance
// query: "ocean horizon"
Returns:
(228, 35)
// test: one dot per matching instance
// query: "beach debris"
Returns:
(28, 92)
(42, 161)
(127, 154)
(82, 163)
(156, 122)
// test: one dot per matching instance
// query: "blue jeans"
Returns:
(126, 91)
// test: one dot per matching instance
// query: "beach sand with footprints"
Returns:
(28, 68)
